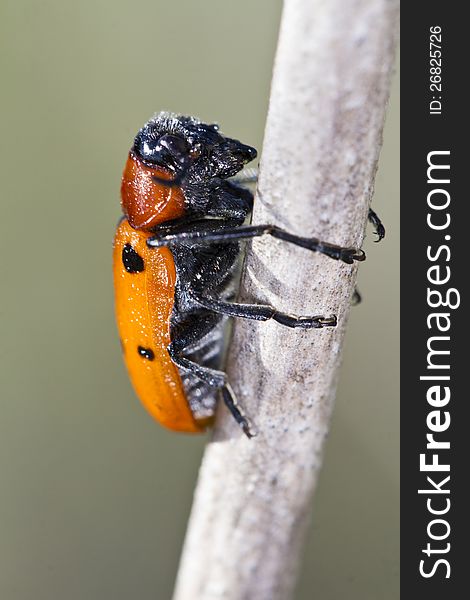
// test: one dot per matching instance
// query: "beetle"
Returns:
(175, 255)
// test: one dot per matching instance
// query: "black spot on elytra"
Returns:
(146, 352)
(132, 261)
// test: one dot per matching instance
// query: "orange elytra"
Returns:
(144, 283)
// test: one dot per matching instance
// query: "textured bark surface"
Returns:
(322, 141)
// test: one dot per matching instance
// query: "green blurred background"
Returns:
(94, 496)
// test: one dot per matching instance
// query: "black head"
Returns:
(192, 150)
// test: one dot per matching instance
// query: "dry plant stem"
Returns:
(322, 141)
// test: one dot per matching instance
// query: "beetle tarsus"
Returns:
(262, 312)
(231, 403)
(357, 297)
(349, 255)
(248, 429)
(317, 322)
(378, 225)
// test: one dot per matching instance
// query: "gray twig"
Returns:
(322, 141)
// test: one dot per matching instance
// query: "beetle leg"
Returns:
(231, 403)
(345, 254)
(357, 298)
(377, 223)
(263, 312)
(214, 378)
(222, 233)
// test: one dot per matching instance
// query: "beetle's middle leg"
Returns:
(262, 312)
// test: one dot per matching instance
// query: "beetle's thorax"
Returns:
(145, 202)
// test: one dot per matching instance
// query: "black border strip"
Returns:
(423, 412)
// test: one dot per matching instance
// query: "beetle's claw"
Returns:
(248, 428)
